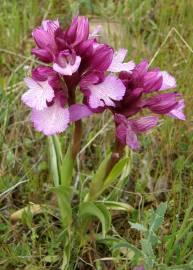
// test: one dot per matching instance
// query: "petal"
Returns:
(144, 124)
(42, 38)
(102, 57)
(51, 120)
(79, 111)
(50, 26)
(131, 138)
(95, 32)
(43, 54)
(68, 69)
(177, 112)
(119, 118)
(168, 81)
(121, 131)
(126, 134)
(38, 95)
(105, 92)
(78, 30)
(162, 103)
(42, 73)
(117, 64)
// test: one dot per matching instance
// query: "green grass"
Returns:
(160, 31)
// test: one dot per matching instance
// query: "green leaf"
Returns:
(98, 210)
(148, 254)
(98, 180)
(66, 168)
(138, 227)
(54, 166)
(112, 205)
(125, 244)
(64, 201)
(156, 221)
(115, 172)
(57, 148)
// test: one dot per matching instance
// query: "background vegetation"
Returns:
(162, 170)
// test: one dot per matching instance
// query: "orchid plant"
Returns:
(75, 63)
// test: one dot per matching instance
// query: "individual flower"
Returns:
(44, 37)
(47, 96)
(127, 130)
(101, 91)
(40, 86)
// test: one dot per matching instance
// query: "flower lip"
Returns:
(38, 94)
(104, 93)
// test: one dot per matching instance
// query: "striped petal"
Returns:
(38, 95)
(106, 92)
(51, 120)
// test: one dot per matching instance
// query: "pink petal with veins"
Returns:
(38, 95)
(168, 81)
(117, 64)
(51, 120)
(106, 92)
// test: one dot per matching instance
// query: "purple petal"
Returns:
(162, 103)
(152, 81)
(78, 31)
(125, 132)
(140, 70)
(177, 112)
(105, 92)
(42, 38)
(121, 131)
(131, 138)
(117, 64)
(102, 57)
(94, 77)
(69, 68)
(168, 81)
(42, 73)
(50, 26)
(51, 120)
(119, 118)
(144, 124)
(38, 95)
(79, 111)
(42, 54)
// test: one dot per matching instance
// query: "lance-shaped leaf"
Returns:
(64, 201)
(115, 172)
(98, 180)
(66, 168)
(54, 165)
(89, 209)
(112, 205)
